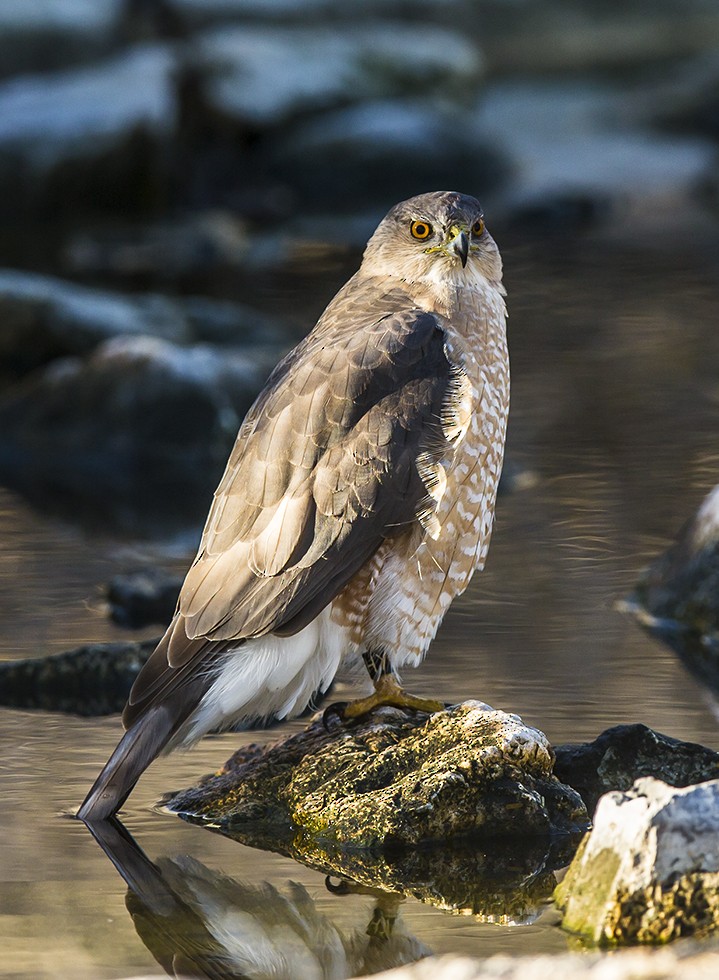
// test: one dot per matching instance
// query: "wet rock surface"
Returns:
(649, 870)
(394, 779)
(91, 680)
(621, 755)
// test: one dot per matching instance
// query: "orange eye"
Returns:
(421, 229)
(478, 228)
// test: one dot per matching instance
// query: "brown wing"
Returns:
(323, 470)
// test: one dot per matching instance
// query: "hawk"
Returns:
(357, 502)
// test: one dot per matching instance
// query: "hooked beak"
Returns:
(459, 242)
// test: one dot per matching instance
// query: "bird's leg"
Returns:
(387, 691)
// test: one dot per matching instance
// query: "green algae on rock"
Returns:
(394, 778)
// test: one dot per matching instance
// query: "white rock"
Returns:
(643, 841)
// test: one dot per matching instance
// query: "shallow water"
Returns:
(615, 358)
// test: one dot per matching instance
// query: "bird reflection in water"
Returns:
(200, 923)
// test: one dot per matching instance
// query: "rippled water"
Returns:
(615, 357)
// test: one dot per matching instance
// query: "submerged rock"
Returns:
(649, 870)
(394, 779)
(625, 753)
(91, 680)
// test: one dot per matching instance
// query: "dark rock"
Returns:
(616, 38)
(575, 162)
(144, 597)
(87, 138)
(393, 779)
(677, 597)
(620, 755)
(139, 432)
(91, 680)
(199, 13)
(55, 33)
(44, 318)
(381, 151)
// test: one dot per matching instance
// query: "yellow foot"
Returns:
(388, 692)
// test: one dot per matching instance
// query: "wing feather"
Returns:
(324, 469)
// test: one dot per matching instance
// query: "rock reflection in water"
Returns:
(502, 881)
(198, 922)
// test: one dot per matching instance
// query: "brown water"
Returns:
(615, 357)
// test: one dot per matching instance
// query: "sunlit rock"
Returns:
(649, 869)
(458, 809)
(625, 753)
(395, 778)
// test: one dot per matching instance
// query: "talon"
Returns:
(341, 888)
(334, 712)
(388, 692)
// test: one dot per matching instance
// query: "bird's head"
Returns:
(435, 237)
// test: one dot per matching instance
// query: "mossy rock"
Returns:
(391, 779)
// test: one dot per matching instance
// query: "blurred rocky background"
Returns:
(163, 160)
